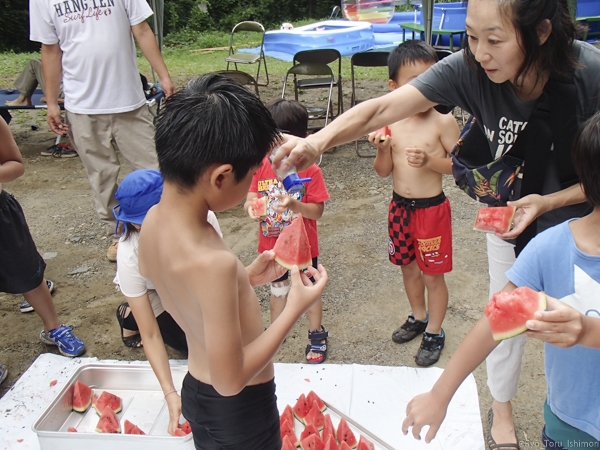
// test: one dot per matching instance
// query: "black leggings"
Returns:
(172, 333)
(246, 421)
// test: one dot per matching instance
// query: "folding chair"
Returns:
(241, 77)
(365, 59)
(236, 57)
(313, 59)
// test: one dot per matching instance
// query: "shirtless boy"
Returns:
(419, 222)
(211, 138)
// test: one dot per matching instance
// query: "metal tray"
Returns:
(143, 404)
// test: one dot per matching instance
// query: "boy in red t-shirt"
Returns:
(291, 117)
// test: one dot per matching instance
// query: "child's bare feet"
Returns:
(21, 100)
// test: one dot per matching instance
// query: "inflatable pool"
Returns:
(345, 36)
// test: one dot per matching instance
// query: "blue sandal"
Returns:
(317, 346)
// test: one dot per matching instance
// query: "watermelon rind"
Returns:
(80, 392)
(312, 396)
(107, 399)
(312, 442)
(293, 241)
(108, 422)
(301, 408)
(515, 331)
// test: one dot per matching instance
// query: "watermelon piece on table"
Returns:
(496, 219)
(301, 408)
(107, 399)
(286, 444)
(72, 430)
(131, 428)
(344, 446)
(286, 428)
(312, 397)
(365, 444)
(308, 430)
(179, 432)
(108, 422)
(82, 397)
(330, 443)
(328, 429)
(292, 246)
(315, 416)
(345, 434)
(508, 312)
(259, 205)
(186, 427)
(287, 414)
(312, 442)
(384, 132)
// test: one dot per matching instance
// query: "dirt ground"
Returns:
(363, 302)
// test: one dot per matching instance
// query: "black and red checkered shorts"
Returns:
(421, 229)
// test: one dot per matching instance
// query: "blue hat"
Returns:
(138, 192)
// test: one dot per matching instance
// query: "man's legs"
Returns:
(133, 134)
(27, 82)
(504, 363)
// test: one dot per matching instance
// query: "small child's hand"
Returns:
(561, 326)
(416, 157)
(285, 202)
(303, 292)
(250, 211)
(424, 409)
(382, 142)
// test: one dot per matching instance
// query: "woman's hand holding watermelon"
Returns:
(425, 409)
(174, 407)
(303, 292)
(264, 269)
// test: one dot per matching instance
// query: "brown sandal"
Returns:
(490, 440)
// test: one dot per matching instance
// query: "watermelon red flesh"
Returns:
(292, 246)
(82, 397)
(315, 416)
(344, 446)
(330, 443)
(309, 430)
(365, 444)
(179, 432)
(301, 408)
(130, 428)
(508, 312)
(186, 427)
(286, 429)
(107, 399)
(312, 397)
(328, 429)
(287, 444)
(108, 422)
(72, 430)
(259, 205)
(496, 219)
(312, 442)
(384, 132)
(287, 414)
(345, 434)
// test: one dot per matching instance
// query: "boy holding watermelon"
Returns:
(415, 152)
(210, 139)
(281, 209)
(564, 263)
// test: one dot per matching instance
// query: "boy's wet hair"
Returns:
(410, 52)
(290, 116)
(528, 18)
(586, 158)
(213, 120)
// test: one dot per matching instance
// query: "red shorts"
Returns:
(421, 229)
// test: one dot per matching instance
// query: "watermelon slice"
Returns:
(301, 408)
(185, 427)
(72, 430)
(179, 432)
(315, 416)
(287, 444)
(292, 246)
(312, 442)
(345, 434)
(365, 444)
(130, 428)
(508, 312)
(109, 422)
(384, 132)
(259, 205)
(82, 397)
(328, 429)
(287, 414)
(497, 219)
(308, 430)
(312, 397)
(286, 429)
(107, 399)
(330, 443)
(344, 446)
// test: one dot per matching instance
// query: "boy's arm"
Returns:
(233, 363)
(564, 326)
(145, 38)
(383, 163)
(11, 161)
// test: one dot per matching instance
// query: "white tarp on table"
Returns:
(374, 396)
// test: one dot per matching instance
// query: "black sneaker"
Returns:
(431, 349)
(410, 329)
